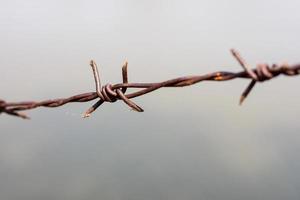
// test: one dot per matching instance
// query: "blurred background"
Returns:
(190, 143)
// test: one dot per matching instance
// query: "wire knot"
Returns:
(2, 106)
(263, 73)
(107, 93)
(287, 70)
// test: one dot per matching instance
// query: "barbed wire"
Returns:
(112, 93)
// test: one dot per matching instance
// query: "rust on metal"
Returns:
(112, 93)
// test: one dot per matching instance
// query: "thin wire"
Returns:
(112, 93)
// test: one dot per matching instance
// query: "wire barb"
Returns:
(108, 94)
(112, 93)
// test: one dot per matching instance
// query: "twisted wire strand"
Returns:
(112, 93)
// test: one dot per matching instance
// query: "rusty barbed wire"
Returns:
(112, 93)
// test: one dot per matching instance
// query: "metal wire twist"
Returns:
(112, 93)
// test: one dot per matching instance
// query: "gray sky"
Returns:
(190, 143)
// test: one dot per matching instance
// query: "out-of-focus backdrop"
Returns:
(190, 143)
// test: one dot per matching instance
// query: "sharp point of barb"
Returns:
(92, 63)
(232, 50)
(24, 116)
(85, 115)
(111, 93)
(242, 98)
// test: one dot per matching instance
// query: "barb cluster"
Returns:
(112, 93)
